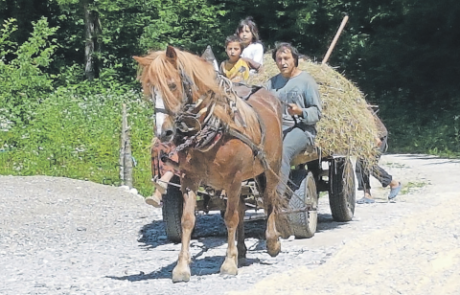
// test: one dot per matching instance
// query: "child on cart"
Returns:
(235, 68)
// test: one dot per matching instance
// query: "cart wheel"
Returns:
(342, 192)
(303, 223)
(173, 202)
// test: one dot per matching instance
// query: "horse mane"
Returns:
(159, 71)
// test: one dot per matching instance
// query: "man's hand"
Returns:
(294, 109)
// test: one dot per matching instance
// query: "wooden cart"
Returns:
(312, 174)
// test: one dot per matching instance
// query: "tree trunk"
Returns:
(92, 28)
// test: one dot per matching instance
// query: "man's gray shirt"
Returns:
(303, 91)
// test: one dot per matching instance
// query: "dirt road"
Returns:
(415, 252)
(63, 236)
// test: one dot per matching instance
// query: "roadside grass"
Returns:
(395, 165)
(411, 187)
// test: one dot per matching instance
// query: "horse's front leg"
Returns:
(181, 272)
(240, 234)
(232, 219)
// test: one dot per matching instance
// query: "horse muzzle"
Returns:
(167, 135)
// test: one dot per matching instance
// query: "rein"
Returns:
(196, 123)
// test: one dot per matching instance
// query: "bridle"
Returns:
(195, 123)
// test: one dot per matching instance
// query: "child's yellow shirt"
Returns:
(238, 71)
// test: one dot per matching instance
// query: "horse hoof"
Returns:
(179, 276)
(241, 261)
(273, 248)
(229, 269)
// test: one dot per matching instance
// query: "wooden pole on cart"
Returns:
(334, 41)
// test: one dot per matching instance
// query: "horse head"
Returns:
(179, 77)
(182, 81)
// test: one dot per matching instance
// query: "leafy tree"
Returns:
(404, 56)
(191, 25)
(23, 81)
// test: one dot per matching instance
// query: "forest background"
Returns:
(66, 68)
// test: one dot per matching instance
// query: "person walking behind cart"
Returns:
(299, 95)
(378, 172)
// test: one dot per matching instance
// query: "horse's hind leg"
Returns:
(273, 207)
(232, 219)
(181, 272)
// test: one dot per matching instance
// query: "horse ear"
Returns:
(142, 61)
(171, 54)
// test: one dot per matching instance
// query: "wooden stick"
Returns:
(122, 146)
(334, 41)
(126, 159)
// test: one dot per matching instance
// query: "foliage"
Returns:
(76, 134)
(191, 25)
(432, 133)
(70, 131)
(24, 84)
(408, 65)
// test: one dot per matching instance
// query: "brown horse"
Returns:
(221, 141)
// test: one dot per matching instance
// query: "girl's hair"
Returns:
(283, 46)
(234, 38)
(252, 27)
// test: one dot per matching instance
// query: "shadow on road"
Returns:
(212, 225)
(326, 222)
(198, 267)
(153, 234)
(211, 232)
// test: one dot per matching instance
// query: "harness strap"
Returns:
(253, 89)
(256, 150)
(161, 110)
(261, 122)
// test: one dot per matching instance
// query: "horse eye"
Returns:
(172, 86)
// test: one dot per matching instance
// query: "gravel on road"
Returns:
(65, 236)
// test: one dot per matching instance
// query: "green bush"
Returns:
(434, 131)
(23, 82)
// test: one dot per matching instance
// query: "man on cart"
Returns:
(299, 95)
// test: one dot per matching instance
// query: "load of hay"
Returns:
(347, 126)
